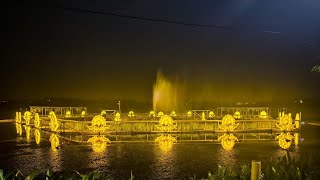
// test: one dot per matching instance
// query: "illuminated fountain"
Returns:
(55, 143)
(285, 123)
(99, 143)
(263, 115)
(165, 142)
(27, 117)
(131, 114)
(166, 124)
(37, 136)
(36, 120)
(54, 125)
(18, 117)
(98, 124)
(285, 140)
(228, 141)
(164, 94)
(228, 123)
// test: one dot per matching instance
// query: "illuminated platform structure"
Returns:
(220, 119)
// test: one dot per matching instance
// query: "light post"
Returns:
(119, 107)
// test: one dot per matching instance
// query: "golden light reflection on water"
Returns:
(165, 142)
(55, 143)
(99, 143)
(36, 120)
(228, 141)
(19, 129)
(285, 140)
(28, 130)
(37, 136)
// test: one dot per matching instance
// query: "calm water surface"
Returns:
(143, 156)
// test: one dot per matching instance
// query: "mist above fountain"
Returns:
(165, 94)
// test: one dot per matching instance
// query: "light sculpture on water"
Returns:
(131, 114)
(166, 124)
(285, 123)
(27, 117)
(117, 117)
(68, 114)
(36, 120)
(263, 115)
(228, 141)
(228, 123)
(211, 114)
(165, 142)
(18, 117)
(98, 124)
(285, 140)
(54, 125)
(99, 143)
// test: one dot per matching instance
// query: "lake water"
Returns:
(189, 155)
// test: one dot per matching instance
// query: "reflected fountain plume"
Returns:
(99, 143)
(28, 130)
(228, 141)
(37, 136)
(165, 142)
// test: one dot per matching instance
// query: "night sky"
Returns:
(262, 50)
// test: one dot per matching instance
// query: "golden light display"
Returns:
(165, 142)
(228, 141)
(189, 114)
(228, 123)
(296, 138)
(28, 130)
(211, 114)
(103, 112)
(36, 120)
(37, 136)
(98, 124)
(99, 143)
(297, 121)
(19, 129)
(83, 114)
(54, 125)
(27, 117)
(203, 116)
(263, 115)
(117, 117)
(237, 115)
(160, 114)
(285, 140)
(166, 124)
(55, 143)
(285, 123)
(18, 117)
(131, 114)
(173, 114)
(68, 114)
(152, 114)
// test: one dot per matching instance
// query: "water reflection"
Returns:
(28, 130)
(55, 143)
(19, 129)
(285, 140)
(165, 142)
(37, 136)
(228, 141)
(99, 143)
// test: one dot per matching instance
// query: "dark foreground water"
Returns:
(190, 155)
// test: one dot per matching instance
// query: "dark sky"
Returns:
(265, 51)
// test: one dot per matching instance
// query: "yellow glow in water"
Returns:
(99, 143)
(165, 142)
(296, 138)
(263, 114)
(211, 114)
(36, 120)
(285, 140)
(160, 114)
(83, 113)
(166, 124)
(189, 113)
(27, 117)
(28, 130)
(237, 115)
(98, 124)
(54, 125)
(131, 114)
(228, 123)
(285, 123)
(228, 141)
(37, 136)
(19, 129)
(55, 143)
(297, 121)
(68, 114)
